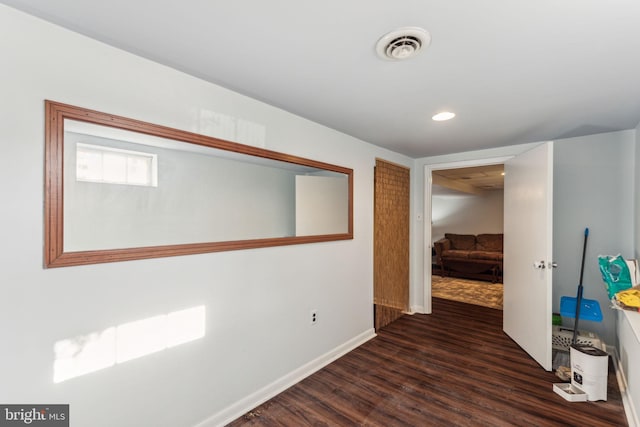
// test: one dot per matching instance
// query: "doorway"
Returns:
(467, 234)
(428, 215)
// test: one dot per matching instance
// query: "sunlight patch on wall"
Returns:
(99, 350)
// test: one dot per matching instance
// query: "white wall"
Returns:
(629, 352)
(636, 195)
(463, 213)
(628, 336)
(257, 301)
(321, 205)
(593, 187)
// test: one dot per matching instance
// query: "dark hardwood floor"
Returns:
(454, 367)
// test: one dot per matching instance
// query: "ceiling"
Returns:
(513, 71)
(472, 180)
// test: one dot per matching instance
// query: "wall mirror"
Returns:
(120, 189)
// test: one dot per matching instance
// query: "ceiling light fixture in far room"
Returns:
(403, 43)
(445, 115)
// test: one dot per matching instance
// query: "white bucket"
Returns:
(589, 370)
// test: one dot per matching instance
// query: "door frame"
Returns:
(428, 169)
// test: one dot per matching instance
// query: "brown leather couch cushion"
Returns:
(454, 253)
(489, 242)
(462, 242)
(486, 255)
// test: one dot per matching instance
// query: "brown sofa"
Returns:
(468, 255)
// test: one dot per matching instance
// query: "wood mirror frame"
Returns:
(55, 254)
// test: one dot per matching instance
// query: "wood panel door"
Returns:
(391, 242)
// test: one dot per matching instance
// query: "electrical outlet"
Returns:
(314, 317)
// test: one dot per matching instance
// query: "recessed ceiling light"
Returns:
(445, 115)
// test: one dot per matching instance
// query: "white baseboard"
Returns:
(417, 309)
(259, 397)
(627, 402)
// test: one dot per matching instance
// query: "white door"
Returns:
(528, 195)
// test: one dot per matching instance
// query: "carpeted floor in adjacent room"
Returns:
(469, 291)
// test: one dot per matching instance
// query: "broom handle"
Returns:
(580, 288)
(584, 252)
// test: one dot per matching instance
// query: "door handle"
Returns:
(541, 265)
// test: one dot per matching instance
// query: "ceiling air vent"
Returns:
(402, 43)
